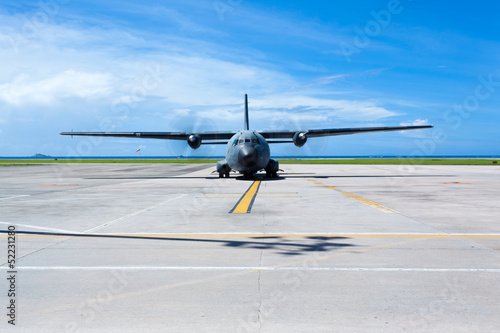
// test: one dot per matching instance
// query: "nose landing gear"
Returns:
(247, 176)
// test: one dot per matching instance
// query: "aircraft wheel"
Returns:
(275, 175)
(227, 174)
(221, 175)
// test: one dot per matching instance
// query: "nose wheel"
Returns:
(247, 176)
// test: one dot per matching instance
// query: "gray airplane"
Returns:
(247, 151)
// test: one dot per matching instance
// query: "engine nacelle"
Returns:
(300, 139)
(194, 141)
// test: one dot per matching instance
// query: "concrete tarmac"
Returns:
(323, 248)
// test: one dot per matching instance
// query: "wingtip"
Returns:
(67, 133)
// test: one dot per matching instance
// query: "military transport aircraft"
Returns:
(247, 151)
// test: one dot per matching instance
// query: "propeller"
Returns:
(191, 123)
(283, 121)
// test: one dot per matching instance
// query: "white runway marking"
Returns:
(16, 196)
(107, 224)
(38, 228)
(242, 268)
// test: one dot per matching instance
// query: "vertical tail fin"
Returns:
(247, 127)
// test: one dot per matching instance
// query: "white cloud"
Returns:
(343, 109)
(326, 80)
(417, 122)
(282, 111)
(26, 90)
(189, 72)
(417, 134)
(195, 80)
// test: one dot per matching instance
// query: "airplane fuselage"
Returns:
(247, 152)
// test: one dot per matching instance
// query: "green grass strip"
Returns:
(395, 161)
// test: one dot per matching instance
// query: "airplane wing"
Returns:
(313, 133)
(196, 138)
(158, 135)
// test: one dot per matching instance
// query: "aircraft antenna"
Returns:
(247, 127)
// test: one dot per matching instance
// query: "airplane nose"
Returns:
(247, 156)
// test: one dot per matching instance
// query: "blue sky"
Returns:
(186, 65)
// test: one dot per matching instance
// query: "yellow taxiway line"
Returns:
(244, 205)
(367, 202)
(20, 234)
(370, 203)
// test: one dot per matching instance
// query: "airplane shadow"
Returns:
(281, 245)
(280, 177)
(259, 177)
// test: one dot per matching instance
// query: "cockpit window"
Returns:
(246, 140)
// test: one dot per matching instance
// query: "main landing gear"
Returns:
(272, 169)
